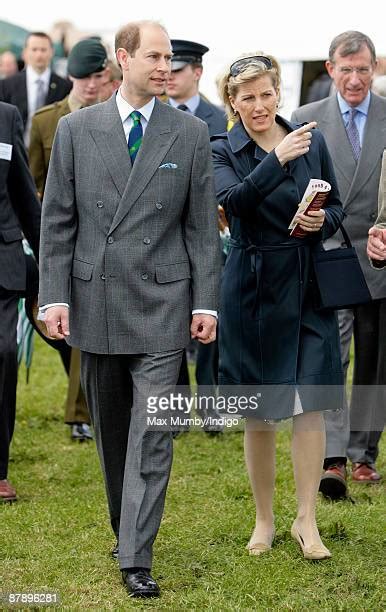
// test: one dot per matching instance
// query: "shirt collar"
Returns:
(33, 76)
(363, 107)
(192, 103)
(238, 136)
(125, 109)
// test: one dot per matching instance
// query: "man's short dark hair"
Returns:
(40, 35)
(129, 36)
(351, 42)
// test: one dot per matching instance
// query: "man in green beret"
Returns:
(87, 70)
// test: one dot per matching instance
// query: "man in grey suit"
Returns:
(353, 123)
(130, 243)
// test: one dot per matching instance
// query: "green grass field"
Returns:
(57, 537)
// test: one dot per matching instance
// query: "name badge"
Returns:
(5, 151)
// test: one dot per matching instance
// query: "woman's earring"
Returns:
(234, 111)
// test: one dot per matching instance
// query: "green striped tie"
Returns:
(135, 136)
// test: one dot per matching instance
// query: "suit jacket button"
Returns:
(144, 276)
(158, 205)
(110, 240)
(146, 241)
(100, 204)
(103, 276)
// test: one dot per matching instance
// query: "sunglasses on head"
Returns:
(241, 64)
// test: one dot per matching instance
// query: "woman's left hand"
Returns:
(313, 221)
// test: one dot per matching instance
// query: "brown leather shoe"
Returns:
(362, 472)
(333, 483)
(7, 492)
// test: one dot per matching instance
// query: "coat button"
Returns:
(158, 205)
(103, 276)
(146, 241)
(110, 240)
(100, 204)
(144, 276)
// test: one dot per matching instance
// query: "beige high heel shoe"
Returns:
(315, 552)
(257, 548)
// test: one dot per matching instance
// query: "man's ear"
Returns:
(198, 72)
(122, 58)
(330, 68)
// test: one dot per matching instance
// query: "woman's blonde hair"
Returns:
(228, 85)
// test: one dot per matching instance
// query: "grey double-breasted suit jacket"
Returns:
(358, 182)
(131, 249)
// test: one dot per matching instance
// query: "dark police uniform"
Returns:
(187, 52)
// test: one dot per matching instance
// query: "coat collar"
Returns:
(239, 138)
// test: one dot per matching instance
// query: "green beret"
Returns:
(86, 57)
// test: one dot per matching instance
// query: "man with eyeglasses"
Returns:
(353, 122)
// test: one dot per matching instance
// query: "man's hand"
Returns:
(376, 244)
(295, 144)
(203, 328)
(56, 320)
(312, 221)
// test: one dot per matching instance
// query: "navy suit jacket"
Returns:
(14, 91)
(19, 205)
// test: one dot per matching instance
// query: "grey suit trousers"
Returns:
(135, 458)
(367, 406)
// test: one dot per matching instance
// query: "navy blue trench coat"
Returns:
(270, 332)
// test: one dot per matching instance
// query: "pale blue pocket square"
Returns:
(169, 165)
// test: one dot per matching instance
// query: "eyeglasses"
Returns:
(362, 71)
(241, 64)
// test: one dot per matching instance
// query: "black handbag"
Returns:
(340, 282)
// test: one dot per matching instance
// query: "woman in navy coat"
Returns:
(270, 332)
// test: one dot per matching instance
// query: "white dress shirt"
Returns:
(32, 89)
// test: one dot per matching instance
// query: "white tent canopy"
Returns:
(298, 30)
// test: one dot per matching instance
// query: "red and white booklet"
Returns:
(314, 198)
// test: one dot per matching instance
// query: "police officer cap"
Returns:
(186, 52)
(86, 57)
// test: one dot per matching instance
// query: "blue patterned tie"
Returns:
(353, 134)
(135, 136)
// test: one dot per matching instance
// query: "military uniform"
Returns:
(87, 57)
(43, 132)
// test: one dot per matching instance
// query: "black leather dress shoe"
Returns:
(333, 483)
(115, 551)
(139, 583)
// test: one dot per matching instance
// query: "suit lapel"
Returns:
(372, 147)
(111, 142)
(52, 86)
(22, 96)
(157, 140)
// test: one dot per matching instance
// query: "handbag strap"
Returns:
(345, 235)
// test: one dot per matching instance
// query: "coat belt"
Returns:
(255, 252)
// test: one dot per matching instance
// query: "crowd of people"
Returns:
(120, 177)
